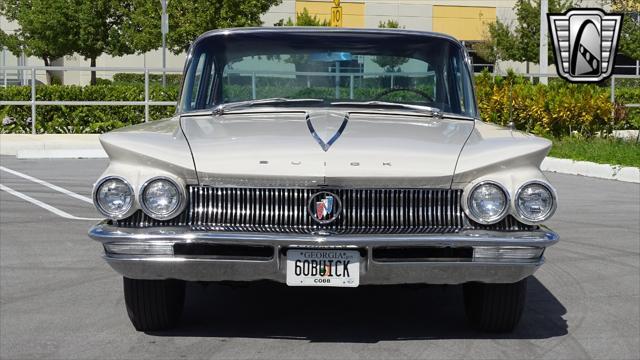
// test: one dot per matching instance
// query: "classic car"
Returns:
(324, 157)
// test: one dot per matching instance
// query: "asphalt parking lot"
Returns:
(59, 300)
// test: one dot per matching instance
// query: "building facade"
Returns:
(466, 20)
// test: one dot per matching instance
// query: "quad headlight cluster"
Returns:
(488, 202)
(161, 198)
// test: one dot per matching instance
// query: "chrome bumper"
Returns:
(225, 267)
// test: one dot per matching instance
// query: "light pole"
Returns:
(164, 28)
(4, 63)
(544, 9)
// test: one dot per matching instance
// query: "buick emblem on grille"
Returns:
(324, 207)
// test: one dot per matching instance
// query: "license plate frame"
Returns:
(323, 267)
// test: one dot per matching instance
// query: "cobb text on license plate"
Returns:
(323, 268)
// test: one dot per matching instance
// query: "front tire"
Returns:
(154, 305)
(495, 307)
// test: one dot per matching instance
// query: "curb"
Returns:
(42, 144)
(61, 154)
(590, 169)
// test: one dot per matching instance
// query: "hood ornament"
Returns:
(326, 124)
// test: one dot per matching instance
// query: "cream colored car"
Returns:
(325, 157)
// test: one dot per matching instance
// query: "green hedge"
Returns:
(558, 109)
(129, 78)
(629, 95)
(81, 119)
(554, 110)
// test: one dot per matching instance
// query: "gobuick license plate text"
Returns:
(323, 268)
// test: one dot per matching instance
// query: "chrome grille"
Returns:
(285, 210)
(509, 223)
(140, 219)
(364, 210)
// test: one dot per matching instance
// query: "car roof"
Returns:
(322, 30)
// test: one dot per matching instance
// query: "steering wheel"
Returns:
(416, 91)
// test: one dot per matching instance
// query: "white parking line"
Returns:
(47, 207)
(49, 185)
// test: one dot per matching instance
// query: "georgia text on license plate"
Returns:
(323, 268)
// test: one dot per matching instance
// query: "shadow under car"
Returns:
(366, 314)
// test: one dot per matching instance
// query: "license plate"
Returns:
(339, 268)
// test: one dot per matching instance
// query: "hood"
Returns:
(325, 148)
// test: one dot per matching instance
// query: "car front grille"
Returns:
(367, 211)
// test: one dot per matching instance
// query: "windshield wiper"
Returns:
(222, 108)
(431, 111)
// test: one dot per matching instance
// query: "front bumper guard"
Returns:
(273, 267)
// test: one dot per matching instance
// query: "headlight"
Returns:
(535, 202)
(160, 198)
(113, 197)
(487, 203)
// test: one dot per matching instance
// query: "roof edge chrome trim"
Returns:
(316, 29)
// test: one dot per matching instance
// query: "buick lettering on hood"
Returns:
(325, 157)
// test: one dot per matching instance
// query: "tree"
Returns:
(497, 33)
(303, 18)
(630, 32)
(141, 25)
(521, 43)
(47, 28)
(389, 63)
(51, 29)
(99, 24)
(188, 19)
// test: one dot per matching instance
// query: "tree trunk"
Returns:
(93, 73)
(49, 73)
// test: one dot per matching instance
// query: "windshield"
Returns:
(330, 66)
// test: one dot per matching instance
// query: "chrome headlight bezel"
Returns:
(181, 199)
(493, 219)
(121, 214)
(518, 211)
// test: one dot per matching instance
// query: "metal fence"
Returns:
(34, 103)
(635, 69)
(147, 103)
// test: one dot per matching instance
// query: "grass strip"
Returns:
(598, 150)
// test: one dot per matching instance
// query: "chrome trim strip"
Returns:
(543, 237)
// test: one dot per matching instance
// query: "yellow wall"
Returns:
(352, 13)
(463, 22)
